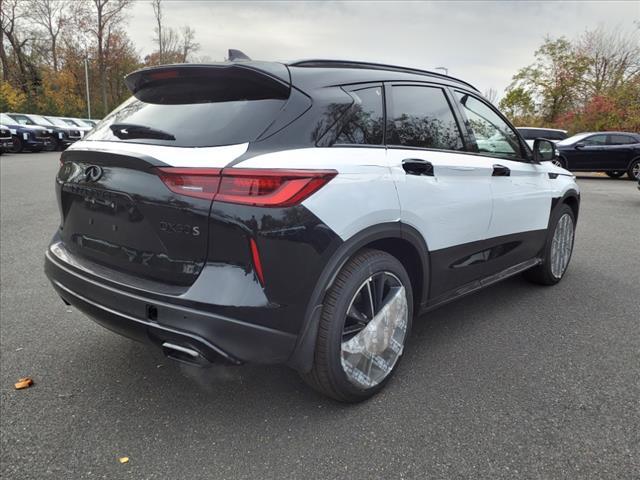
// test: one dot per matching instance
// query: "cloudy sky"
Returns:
(481, 42)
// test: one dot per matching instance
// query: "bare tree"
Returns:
(189, 45)
(11, 12)
(157, 13)
(613, 59)
(50, 15)
(172, 46)
(104, 17)
(491, 94)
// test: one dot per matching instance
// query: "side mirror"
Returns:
(543, 150)
(578, 145)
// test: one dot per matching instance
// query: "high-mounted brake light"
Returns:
(259, 187)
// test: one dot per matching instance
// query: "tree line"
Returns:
(46, 44)
(590, 83)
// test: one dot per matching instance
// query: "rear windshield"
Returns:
(202, 111)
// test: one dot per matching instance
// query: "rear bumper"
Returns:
(158, 319)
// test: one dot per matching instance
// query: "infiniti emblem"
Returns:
(92, 173)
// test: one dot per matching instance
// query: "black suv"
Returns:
(614, 153)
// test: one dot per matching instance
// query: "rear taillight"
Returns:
(192, 182)
(259, 187)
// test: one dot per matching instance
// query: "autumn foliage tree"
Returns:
(589, 84)
(44, 45)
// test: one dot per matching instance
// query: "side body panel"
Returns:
(361, 195)
(522, 200)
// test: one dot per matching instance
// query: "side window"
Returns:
(365, 123)
(493, 135)
(620, 140)
(595, 140)
(421, 117)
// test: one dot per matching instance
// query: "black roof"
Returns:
(353, 71)
(309, 74)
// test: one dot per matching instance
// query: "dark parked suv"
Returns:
(26, 137)
(614, 153)
(301, 213)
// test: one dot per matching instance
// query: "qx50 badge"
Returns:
(92, 173)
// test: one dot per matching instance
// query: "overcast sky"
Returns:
(483, 43)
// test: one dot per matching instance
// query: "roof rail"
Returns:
(328, 63)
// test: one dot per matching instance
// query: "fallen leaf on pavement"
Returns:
(25, 382)
(123, 459)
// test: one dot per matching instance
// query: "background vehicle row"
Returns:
(31, 132)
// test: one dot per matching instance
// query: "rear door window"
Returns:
(420, 116)
(621, 140)
(199, 109)
(364, 124)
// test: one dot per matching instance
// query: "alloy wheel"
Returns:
(562, 245)
(375, 330)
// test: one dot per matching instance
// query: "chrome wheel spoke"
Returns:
(561, 245)
(371, 346)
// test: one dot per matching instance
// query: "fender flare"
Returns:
(302, 357)
(556, 201)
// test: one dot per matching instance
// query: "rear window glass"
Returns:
(621, 140)
(365, 122)
(197, 111)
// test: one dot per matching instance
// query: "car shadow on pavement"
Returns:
(135, 369)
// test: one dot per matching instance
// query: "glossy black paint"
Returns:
(580, 156)
(127, 313)
(127, 218)
(464, 265)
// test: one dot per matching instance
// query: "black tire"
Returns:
(18, 145)
(634, 169)
(615, 174)
(327, 375)
(542, 274)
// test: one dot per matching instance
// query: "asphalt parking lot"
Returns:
(516, 381)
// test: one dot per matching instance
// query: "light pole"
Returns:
(86, 81)
(446, 70)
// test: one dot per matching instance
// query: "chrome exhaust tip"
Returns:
(182, 354)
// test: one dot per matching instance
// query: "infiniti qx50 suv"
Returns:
(300, 213)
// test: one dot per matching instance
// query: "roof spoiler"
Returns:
(264, 72)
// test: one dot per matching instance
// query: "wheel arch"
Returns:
(571, 198)
(629, 165)
(399, 240)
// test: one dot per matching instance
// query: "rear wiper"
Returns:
(126, 131)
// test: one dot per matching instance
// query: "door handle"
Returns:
(417, 166)
(501, 171)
